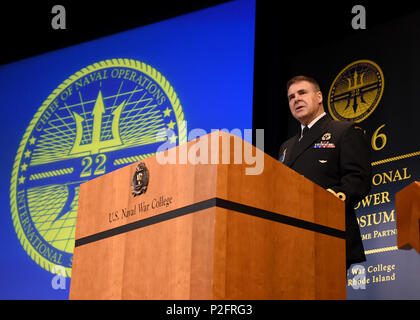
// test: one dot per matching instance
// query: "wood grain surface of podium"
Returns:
(209, 230)
(407, 203)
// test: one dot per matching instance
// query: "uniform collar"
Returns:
(311, 124)
(313, 121)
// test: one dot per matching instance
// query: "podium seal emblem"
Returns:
(140, 180)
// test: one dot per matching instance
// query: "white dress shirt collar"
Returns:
(313, 121)
(311, 124)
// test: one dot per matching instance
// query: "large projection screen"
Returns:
(74, 114)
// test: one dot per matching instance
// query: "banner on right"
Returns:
(373, 78)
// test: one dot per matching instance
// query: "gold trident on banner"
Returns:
(97, 145)
(356, 90)
(356, 85)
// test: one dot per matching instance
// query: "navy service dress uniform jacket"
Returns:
(337, 156)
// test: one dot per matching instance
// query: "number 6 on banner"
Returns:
(377, 136)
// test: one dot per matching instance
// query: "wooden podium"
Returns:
(407, 203)
(209, 231)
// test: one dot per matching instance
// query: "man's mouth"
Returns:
(299, 108)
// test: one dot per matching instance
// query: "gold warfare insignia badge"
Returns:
(356, 91)
(326, 136)
(107, 115)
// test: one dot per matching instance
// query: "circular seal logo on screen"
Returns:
(107, 115)
(356, 91)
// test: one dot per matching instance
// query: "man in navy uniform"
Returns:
(332, 154)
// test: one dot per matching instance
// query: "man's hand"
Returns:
(339, 195)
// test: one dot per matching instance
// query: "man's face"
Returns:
(304, 101)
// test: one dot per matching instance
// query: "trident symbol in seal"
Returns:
(96, 145)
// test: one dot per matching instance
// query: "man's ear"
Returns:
(319, 96)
